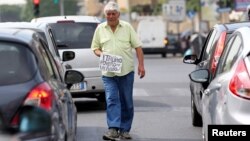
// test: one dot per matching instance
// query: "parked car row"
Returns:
(74, 33)
(219, 84)
(44, 64)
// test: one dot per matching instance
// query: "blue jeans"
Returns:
(119, 99)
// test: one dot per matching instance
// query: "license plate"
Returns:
(171, 47)
(79, 86)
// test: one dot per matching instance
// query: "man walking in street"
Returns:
(113, 42)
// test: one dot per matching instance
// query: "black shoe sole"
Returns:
(108, 138)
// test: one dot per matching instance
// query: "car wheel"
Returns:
(163, 55)
(101, 97)
(196, 117)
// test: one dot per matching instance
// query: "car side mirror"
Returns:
(190, 59)
(199, 76)
(72, 77)
(68, 55)
(34, 119)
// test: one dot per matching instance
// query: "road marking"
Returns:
(140, 92)
(178, 91)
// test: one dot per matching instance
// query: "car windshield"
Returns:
(73, 35)
(173, 38)
(16, 63)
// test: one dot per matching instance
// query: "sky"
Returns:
(12, 1)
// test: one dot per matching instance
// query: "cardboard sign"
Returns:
(110, 63)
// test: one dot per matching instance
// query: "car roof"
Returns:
(76, 18)
(22, 25)
(232, 26)
(25, 36)
(245, 32)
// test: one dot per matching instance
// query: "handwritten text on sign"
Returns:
(111, 63)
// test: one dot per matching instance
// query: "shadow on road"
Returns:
(89, 105)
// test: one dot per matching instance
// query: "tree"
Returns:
(49, 8)
(10, 13)
(193, 5)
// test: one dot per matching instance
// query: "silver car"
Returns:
(74, 33)
(227, 98)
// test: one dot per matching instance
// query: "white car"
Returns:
(75, 33)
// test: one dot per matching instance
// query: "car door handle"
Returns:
(201, 64)
(210, 91)
(68, 66)
(62, 96)
(63, 99)
(206, 92)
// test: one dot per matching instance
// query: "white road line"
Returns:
(140, 92)
(178, 91)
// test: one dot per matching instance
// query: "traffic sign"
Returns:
(175, 10)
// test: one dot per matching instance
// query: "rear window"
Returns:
(73, 35)
(16, 62)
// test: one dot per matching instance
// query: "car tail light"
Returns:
(240, 83)
(41, 96)
(165, 41)
(218, 50)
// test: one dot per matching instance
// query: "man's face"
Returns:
(112, 17)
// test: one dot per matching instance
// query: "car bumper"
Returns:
(93, 87)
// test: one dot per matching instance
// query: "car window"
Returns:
(53, 42)
(48, 62)
(229, 57)
(209, 45)
(54, 65)
(17, 63)
(73, 35)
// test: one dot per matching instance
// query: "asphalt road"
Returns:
(162, 105)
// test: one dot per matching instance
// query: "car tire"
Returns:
(163, 55)
(101, 97)
(196, 117)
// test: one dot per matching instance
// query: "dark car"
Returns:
(34, 125)
(173, 44)
(29, 76)
(45, 31)
(208, 59)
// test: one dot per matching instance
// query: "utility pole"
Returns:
(200, 16)
(61, 4)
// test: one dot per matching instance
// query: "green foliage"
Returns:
(48, 8)
(157, 9)
(225, 4)
(193, 5)
(10, 13)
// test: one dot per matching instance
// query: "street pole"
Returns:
(61, 7)
(200, 17)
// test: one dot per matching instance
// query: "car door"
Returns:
(214, 97)
(203, 63)
(63, 96)
(66, 98)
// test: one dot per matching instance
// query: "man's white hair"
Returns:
(111, 6)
